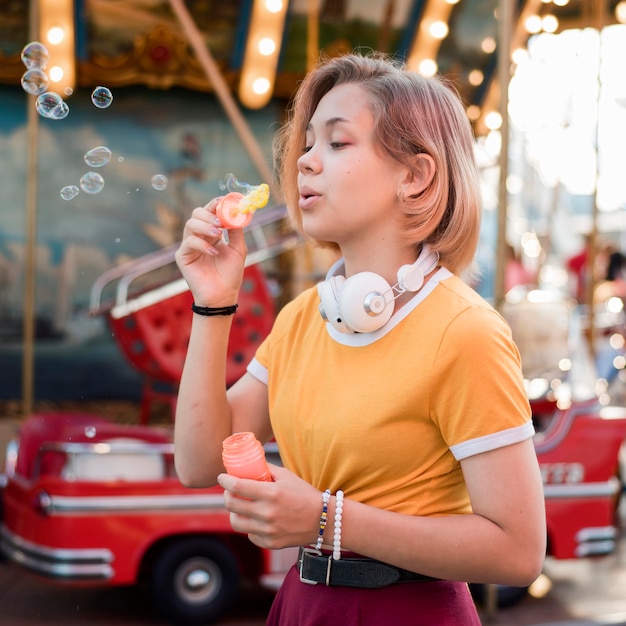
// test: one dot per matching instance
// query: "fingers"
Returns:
(245, 504)
(204, 222)
(201, 235)
(242, 487)
(194, 244)
(273, 514)
(205, 225)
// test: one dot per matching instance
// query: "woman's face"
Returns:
(348, 186)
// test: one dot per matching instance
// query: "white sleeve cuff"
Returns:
(492, 442)
(258, 371)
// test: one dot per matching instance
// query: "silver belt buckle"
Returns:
(315, 552)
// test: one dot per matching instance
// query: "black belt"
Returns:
(365, 573)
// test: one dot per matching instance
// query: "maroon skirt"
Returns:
(436, 603)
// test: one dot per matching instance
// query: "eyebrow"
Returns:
(330, 122)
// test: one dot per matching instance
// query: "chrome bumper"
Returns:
(81, 564)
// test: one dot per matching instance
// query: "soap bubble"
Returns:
(97, 157)
(232, 184)
(35, 81)
(91, 183)
(60, 112)
(35, 54)
(68, 91)
(47, 102)
(69, 192)
(159, 182)
(102, 97)
(120, 159)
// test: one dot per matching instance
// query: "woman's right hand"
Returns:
(212, 267)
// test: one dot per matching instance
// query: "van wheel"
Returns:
(194, 580)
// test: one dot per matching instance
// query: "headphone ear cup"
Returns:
(329, 292)
(410, 277)
(362, 304)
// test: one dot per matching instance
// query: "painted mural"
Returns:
(188, 140)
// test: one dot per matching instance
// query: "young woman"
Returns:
(400, 412)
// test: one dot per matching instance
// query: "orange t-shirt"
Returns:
(387, 416)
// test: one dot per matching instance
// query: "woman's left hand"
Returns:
(276, 514)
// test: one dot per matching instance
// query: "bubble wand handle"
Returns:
(235, 209)
(243, 456)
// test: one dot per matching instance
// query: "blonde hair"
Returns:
(412, 114)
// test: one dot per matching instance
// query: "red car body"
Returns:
(88, 501)
(579, 459)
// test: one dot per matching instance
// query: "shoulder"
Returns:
(459, 307)
(467, 329)
(298, 312)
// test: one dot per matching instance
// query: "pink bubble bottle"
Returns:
(244, 457)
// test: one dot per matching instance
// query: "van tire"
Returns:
(194, 580)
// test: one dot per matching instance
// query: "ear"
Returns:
(420, 174)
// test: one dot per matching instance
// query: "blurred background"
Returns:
(119, 117)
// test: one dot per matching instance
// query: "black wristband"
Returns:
(208, 311)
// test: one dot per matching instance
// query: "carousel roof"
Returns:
(130, 42)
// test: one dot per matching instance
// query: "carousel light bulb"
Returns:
(55, 35)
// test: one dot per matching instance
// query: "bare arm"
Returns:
(502, 541)
(205, 413)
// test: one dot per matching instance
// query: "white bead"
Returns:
(338, 516)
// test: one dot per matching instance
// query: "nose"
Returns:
(308, 162)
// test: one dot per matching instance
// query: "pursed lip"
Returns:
(308, 197)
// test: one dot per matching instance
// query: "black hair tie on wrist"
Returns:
(208, 311)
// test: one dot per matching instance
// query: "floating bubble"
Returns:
(60, 112)
(159, 182)
(97, 157)
(47, 102)
(232, 184)
(35, 54)
(35, 81)
(69, 192)
(91, 183)
(102, 97)
(68, 91)
(120, 159)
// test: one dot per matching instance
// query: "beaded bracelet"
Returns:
(338, 516)
(323, 519)
(209, 311)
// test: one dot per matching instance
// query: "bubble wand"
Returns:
(236, 208)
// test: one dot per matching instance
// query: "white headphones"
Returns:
(363, 303)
